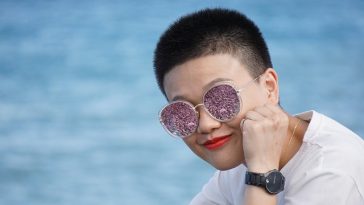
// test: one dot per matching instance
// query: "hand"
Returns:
(264, 130)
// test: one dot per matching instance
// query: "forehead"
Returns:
(190, 79)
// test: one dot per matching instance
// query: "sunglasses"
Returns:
(222, 102)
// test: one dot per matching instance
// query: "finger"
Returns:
(244, 124)
(264, 111)
(280, 117)
(253, 115)
(274, 108)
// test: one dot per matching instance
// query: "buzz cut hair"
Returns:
(209, 32)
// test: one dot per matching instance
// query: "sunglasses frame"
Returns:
(174, 102)
(227, 82)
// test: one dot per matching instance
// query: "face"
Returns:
(218, 143)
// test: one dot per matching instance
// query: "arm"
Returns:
(264, 131)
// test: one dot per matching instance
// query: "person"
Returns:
(214, 68)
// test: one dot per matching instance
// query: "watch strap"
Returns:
(256, 179)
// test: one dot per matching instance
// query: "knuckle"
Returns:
(256, 126)
(269, 122)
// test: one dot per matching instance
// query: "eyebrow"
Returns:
(180, 97)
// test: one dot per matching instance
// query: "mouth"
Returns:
(217, 142)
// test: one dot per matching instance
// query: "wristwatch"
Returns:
(272, 181)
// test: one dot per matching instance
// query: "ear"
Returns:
(270, 82)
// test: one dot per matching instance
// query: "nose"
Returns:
(206, 123)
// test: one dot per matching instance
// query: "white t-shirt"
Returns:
(328, 169)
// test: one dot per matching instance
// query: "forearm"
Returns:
(264, 131)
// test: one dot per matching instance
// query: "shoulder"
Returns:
(335, 141)
(330, 156)
(331, 137)
(323, 129)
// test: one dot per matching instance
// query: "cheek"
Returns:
(191, 142)
(256, 99)
(235, 123)
(188, 141)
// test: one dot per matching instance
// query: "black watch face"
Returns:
(275, 182)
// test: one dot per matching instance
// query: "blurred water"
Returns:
(78, 101)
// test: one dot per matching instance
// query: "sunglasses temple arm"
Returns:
(249, 83)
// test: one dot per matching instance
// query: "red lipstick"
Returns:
(216, 142)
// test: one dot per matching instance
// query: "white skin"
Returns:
(259, 134)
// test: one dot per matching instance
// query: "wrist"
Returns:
(272, 181)
(261, 168)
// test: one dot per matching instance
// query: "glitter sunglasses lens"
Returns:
(222, 102)
(179, 118)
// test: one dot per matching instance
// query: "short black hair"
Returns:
(208, 32)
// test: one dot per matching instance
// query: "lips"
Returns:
(217, 142)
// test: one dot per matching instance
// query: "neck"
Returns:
(293, 142)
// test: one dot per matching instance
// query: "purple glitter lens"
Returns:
(179, 118)
(222, 102)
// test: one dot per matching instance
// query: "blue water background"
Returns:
(79, 104)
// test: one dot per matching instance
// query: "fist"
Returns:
(264, 131)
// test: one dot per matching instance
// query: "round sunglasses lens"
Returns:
(179, 119)
(222, 102)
